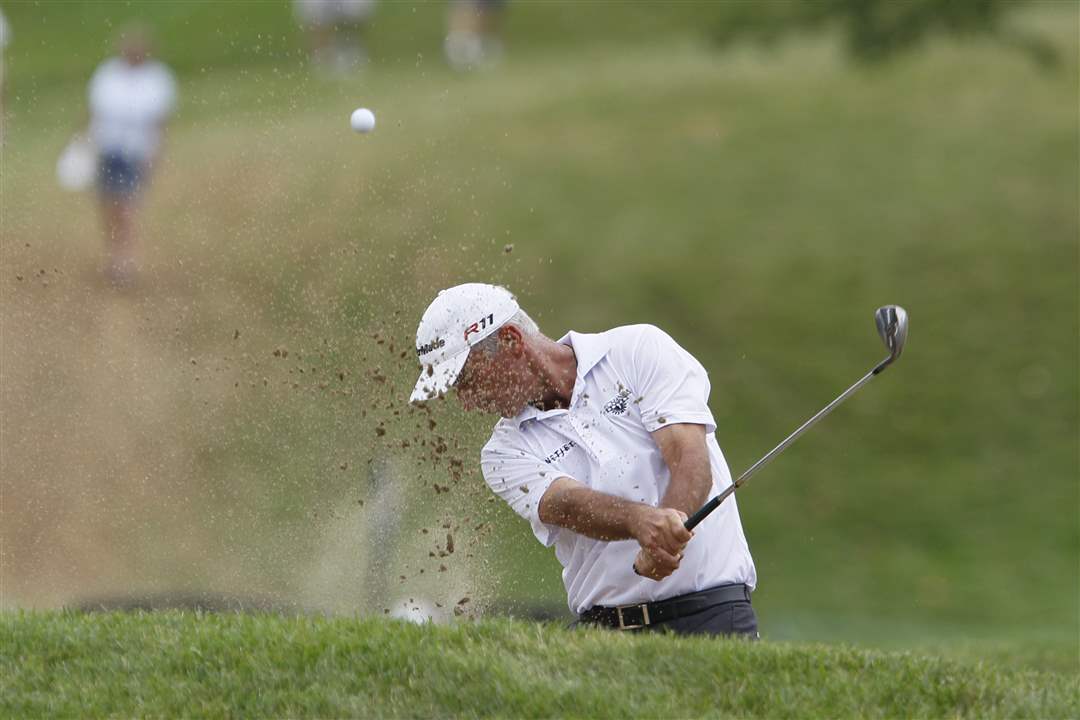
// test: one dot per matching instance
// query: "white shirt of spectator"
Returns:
(128, 106)
(5, 31)
(631, 381)
(328, 12)
(5, 40)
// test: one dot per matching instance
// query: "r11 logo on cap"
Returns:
(482, 324)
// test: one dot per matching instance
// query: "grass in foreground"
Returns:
(179, 664)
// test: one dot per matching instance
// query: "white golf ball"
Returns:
(416, 610)
(362, 120)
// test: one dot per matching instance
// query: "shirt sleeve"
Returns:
(521, 480)
(670, 384)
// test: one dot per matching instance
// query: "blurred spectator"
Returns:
(131, 99)
(472, 34)
(335, 30)
(5, 38)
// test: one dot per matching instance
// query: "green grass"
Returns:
(758, 205)
(185, 665)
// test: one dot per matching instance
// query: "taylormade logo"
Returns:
(430, 347)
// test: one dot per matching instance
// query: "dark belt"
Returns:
(629, 617)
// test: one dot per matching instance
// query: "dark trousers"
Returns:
(733, 618)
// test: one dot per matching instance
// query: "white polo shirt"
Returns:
(631, 381)
(128, 106)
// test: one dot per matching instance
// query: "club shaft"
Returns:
(714, 503)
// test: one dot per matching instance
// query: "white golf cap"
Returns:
(457, 319)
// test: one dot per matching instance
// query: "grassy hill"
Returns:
(237, 423)
(184, 665)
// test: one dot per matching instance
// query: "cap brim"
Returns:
(437, 381)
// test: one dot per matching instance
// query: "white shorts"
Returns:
(328, 12)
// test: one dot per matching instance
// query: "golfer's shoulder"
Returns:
(627, 344)
(506, 440)
(634, 334)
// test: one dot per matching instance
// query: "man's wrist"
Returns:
(635, 518)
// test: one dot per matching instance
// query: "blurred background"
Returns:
(203, 381)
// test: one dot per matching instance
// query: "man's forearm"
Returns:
(691, 481)
(594, 514)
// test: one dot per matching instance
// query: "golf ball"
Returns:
(362, 120)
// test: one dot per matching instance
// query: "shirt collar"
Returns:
(589, 349)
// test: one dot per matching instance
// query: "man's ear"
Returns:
(511, 338)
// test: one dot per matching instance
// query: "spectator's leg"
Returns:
(489, 20)
(119, 217)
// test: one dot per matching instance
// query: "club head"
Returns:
(891, 323)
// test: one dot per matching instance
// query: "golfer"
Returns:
(605, 446)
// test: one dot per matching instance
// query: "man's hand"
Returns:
(648, 566)
(663, 537)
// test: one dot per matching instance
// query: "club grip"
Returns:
(702, 513)
(707, 508)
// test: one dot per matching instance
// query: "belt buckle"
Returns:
(644, 616)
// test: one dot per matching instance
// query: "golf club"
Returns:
(892, 326)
